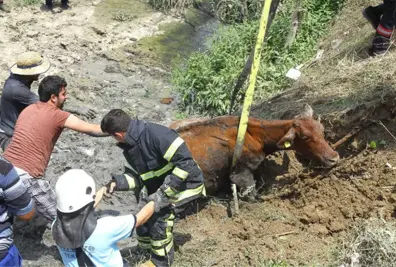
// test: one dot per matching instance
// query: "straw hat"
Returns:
(30, 63)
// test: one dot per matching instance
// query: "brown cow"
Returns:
(212, 142)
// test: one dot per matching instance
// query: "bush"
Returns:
(207, 80)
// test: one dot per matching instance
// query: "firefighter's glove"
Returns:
(121, 183)
(160, 199)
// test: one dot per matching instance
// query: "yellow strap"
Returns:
(252, 82)
(180, 173)
(172, 148)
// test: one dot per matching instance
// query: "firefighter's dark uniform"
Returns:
(154, 152)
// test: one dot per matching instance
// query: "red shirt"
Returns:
(37, 130)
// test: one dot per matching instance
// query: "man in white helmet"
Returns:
(81, 238)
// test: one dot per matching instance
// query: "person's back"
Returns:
(81, 238)
(101, 246)
(36, 132)
(16, 96)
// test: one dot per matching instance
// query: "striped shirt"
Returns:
(14, 201)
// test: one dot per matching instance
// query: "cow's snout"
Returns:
(332, 161)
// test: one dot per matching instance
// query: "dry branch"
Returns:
(346, 137)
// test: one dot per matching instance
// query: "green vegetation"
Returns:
(207, 80)
(29, 2)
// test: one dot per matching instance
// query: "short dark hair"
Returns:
(116, 121)
(51, 85)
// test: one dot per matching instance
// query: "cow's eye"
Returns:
(304, 138)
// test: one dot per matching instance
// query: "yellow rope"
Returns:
(252, 82)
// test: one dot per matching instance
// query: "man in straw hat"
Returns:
(36, 132)
(17, 94)
(81, 238)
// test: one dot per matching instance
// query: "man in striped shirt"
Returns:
(14, 201)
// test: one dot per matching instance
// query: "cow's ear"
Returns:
(307, 112)
(287, 140)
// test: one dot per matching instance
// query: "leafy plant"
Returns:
(207, 80)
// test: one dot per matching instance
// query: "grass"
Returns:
(29, 2)
(370, 243)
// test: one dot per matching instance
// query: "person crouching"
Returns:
(81, 238)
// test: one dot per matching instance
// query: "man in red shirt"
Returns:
(36, 132)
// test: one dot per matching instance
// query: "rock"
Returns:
(337, 226)
(89, 152)
(318, 229)
(98, 31)
(112, 68)
(32, 34)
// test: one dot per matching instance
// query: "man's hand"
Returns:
(99, 195)
(110, 186)
(160, 200)
(82, 111)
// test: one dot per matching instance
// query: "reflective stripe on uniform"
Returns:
(130, 180)
(161, 243)
(163, 251)
(190, 193)
(162, 247)
(172, 148)
(180, 173)
(144, 242)
(169, 192)
(152, 174)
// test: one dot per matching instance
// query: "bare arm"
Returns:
(145, 213)
(81, 126)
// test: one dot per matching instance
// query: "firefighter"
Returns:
(160, 165)
(383, 18)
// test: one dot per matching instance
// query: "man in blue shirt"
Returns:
(81, 238)
(14, 201)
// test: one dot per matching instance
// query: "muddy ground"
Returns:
(306, 209)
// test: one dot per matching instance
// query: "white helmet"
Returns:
(74, 189)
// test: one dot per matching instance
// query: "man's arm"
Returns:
(74, 123)
(145, 213)
(173, 149)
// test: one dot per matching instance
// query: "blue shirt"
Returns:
(101, 246)
(16, 97)
(15, 201)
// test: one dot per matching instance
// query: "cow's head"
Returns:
(306, 136)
